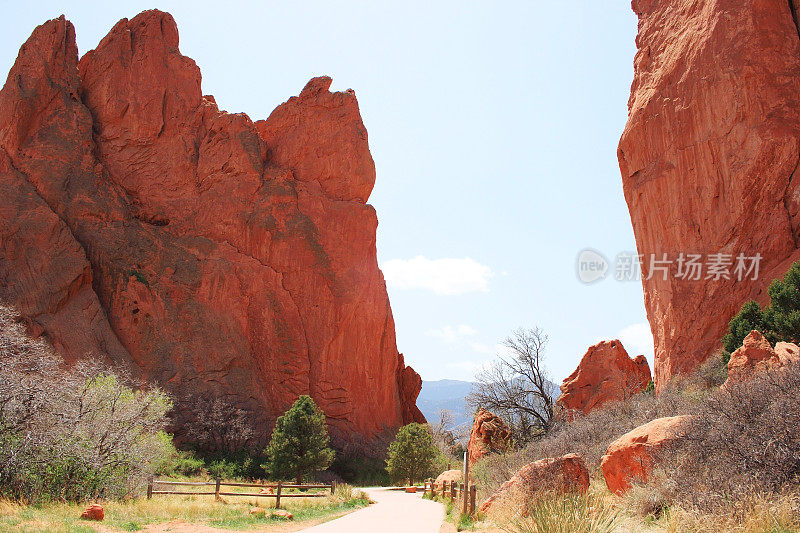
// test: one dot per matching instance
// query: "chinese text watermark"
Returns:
(593, 266)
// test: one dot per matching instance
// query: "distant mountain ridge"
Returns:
(447, 394)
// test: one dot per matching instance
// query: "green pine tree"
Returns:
(413, 454)
(299, 443)
(779, 321)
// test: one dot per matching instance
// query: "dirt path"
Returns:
(393, 511)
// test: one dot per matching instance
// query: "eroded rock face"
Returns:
(605, 374)
(756, 355)
(190, 246)
(559, 474)
(631, 457)
(489, 434)
(709, 160)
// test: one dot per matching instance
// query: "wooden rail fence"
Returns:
(278, 493)
(453, 490)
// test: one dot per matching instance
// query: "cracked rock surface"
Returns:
(194, 248)
(709, 160)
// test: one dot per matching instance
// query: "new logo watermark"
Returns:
(591, 265)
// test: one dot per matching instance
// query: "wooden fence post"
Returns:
(149, 487)
(216, 489)
(453, 488)
(278, 497)
(472, 491)
(333, 487)
(465, 490)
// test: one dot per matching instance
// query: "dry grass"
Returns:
(762, 514)
(642, 509)
(232, 513)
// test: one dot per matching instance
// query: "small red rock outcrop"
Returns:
(448, 476)
(191, 247)
(632, 456)
(709, 163)
(605, 374)
(93, 512)
(489, 434)
(560, 474)
(756, 355)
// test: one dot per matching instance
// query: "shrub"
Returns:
(179, 462)
(362, 462)
(72, 434)
(413, 456)
(743, 439)
(779, 321)
(346, 494)
(216, 426)
(299, 442)
(587, 435)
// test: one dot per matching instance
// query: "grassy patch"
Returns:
(134, 515)
(452, 509)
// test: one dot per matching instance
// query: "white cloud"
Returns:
(447, 276)
(485, 348)
(451, 334)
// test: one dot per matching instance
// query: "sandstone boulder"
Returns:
(283, 514)
(756, 356)
(605, 374)
(93, 512)
(709, 164)
(448, 476)
(489, 434)
(193, 248)
(632, 456)
(560, 474)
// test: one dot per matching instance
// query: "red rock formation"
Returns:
(560, 474)
(709, 159)
(448, 476)
(756, 355)
(605, 374)
(94, 512)
(632, 456)
(489, 434)
(192, 247)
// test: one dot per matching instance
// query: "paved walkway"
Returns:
(393, 511)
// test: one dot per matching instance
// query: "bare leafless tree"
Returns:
(217, 425)
(72, 433)
(516, 387)
(447, 436)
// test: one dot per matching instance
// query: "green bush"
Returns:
(360, 470)
(779, 321)
(299, 442)
(72, 434)
(413, 456)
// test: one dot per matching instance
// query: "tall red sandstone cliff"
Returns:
(709, 158)
(192, 247)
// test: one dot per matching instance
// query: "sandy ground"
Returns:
(393, 511)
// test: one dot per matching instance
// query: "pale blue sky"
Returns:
(493, 126)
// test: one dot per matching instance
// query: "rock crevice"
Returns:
(214, 255)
